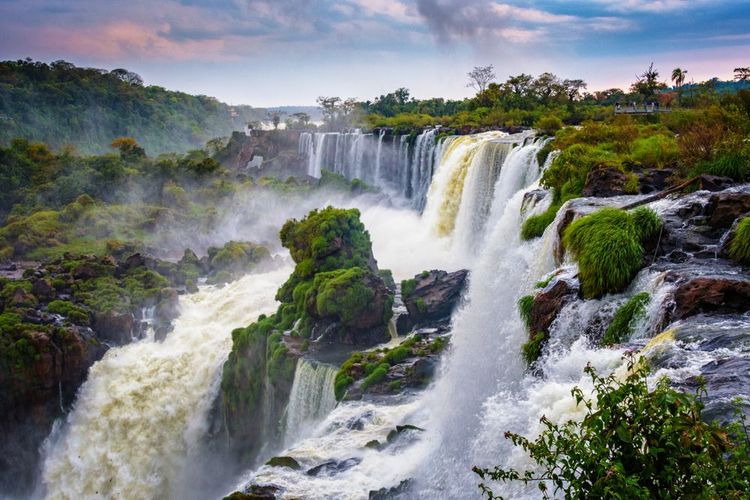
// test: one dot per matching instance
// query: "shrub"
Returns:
(623, 322)
(739, 248)
(407, 288)
(567, 174)
(377, 376)
(732, 164)
(397, 355)
(656, 151)
(634, 443)
(71, 311)
(548, 124)
(607, 244)
(532, 349)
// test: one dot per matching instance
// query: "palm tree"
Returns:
(678, 77)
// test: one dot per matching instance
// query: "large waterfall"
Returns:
(144, 407)
(401, 164)
(311, 398)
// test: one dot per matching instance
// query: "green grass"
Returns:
(525, 304)
(739, 248)
(607, 244)
(532, 349)
(407, 288)
(624, 320)
(534, 226)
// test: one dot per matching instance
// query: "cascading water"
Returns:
(144, 407)
(396, 166)
(311, 398)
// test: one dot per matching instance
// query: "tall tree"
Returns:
(678, 77)
(742, 74)
(648, 83)
(573, 88)
(480, 77)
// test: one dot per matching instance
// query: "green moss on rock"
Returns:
(625, 317)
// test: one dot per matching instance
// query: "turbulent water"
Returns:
(144, 407)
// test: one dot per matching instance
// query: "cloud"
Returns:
(394, 9)
(626, 6)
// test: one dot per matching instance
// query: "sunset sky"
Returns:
(276, 52)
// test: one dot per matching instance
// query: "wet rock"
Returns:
(396, 433)
(388, 493)
(654, 180)
(167, 309)
(286, 462)
(430, 298)
(532, 198)
(256, 492)
(549, 302)
(715, 183)
(42, 288)
(113, 326)
(334, 467)
(21, 298)
(605, 182)
(725, 207)
(711, 295)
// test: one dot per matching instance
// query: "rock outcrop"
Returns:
(605, 182)
(430, 298)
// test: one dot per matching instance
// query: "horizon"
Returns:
(286, 53)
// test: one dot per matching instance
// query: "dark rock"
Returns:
(433, 298)
(715, 183)
(256, 492)
(531, 198)
(167, 309)
(394, 434)
(725, 207)
(43, 289)
(549, 302)
(287, 462)
(605, 182)
(654, 180)
(113, 326)
(711, 295)
(388, 493)
(333, 467)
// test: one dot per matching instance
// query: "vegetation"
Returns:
(525, 304)
(624, 320)
(61, 104)
(608, 246)
(739, 248)
(534, 226)
(633, 443)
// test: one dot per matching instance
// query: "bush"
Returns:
(377, 376)
(623, 322)
(548, 124)
(532, 349)
(733, 164)
(607, 244)
(656, 151)
(634, 443)
(739, 248)
(534, 226)
(407, 288)
(567, 174)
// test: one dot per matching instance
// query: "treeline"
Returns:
(61, 104)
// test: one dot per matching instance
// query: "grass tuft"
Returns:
(624, 320)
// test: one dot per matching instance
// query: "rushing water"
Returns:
(311, 398)
(144, 407)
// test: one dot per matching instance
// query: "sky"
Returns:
(289, 52)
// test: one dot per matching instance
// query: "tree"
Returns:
(648, 83)
(520, 84)
(480, 77)
(275, 117)
(129, 148)
(546, 86)
(573, 88)
(329, 107)
(742, 74)
(127, 76)
(634, 443)
(678, 77)
(302, 118)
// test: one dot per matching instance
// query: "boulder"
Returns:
(711, 295)
(549, 302)
(114, 326)
(284, 462)
(333, 467)
(715, 182)
(431, 297)
(43, 289)
(654, 180)
(603, 182)
(725, 207)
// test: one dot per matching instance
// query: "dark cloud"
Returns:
(450, 19)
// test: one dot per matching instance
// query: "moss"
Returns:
(377, 376)
(739, 247)
(568, 172)
(285, 462)
(343, 293)
(407, 288)
(546, 281)
(622, 324)
(396, 355)
(534, 226)
(421, 305)
(74, 313)
(543, 154)
(607, 244)
(232, 260)
(532, 349)
(525, 304)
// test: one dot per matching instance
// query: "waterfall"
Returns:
(311, 399)
(394, 166)
(143, 409)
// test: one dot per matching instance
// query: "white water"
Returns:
(144, 407)
(310, 400)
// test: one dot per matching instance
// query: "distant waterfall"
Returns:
(402, 164)
(311, 399)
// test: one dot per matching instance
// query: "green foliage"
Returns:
(739, 247)
(543, 154)
(607, 244)
(397, 355)
(548, 125)
(568, 172)
(624, 320)
(376, 376)
(76, 314)
(656, 151)
(633, 443)
(733, 164)
(234, 259)
(407, 288)
(62, 104)
(531, 350)
(343, 293)
(534, 226)
(525, 304)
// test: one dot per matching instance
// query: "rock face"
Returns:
(605, 182)
(431, 297)
(723, 208)
(549, 302)
(711, 295)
